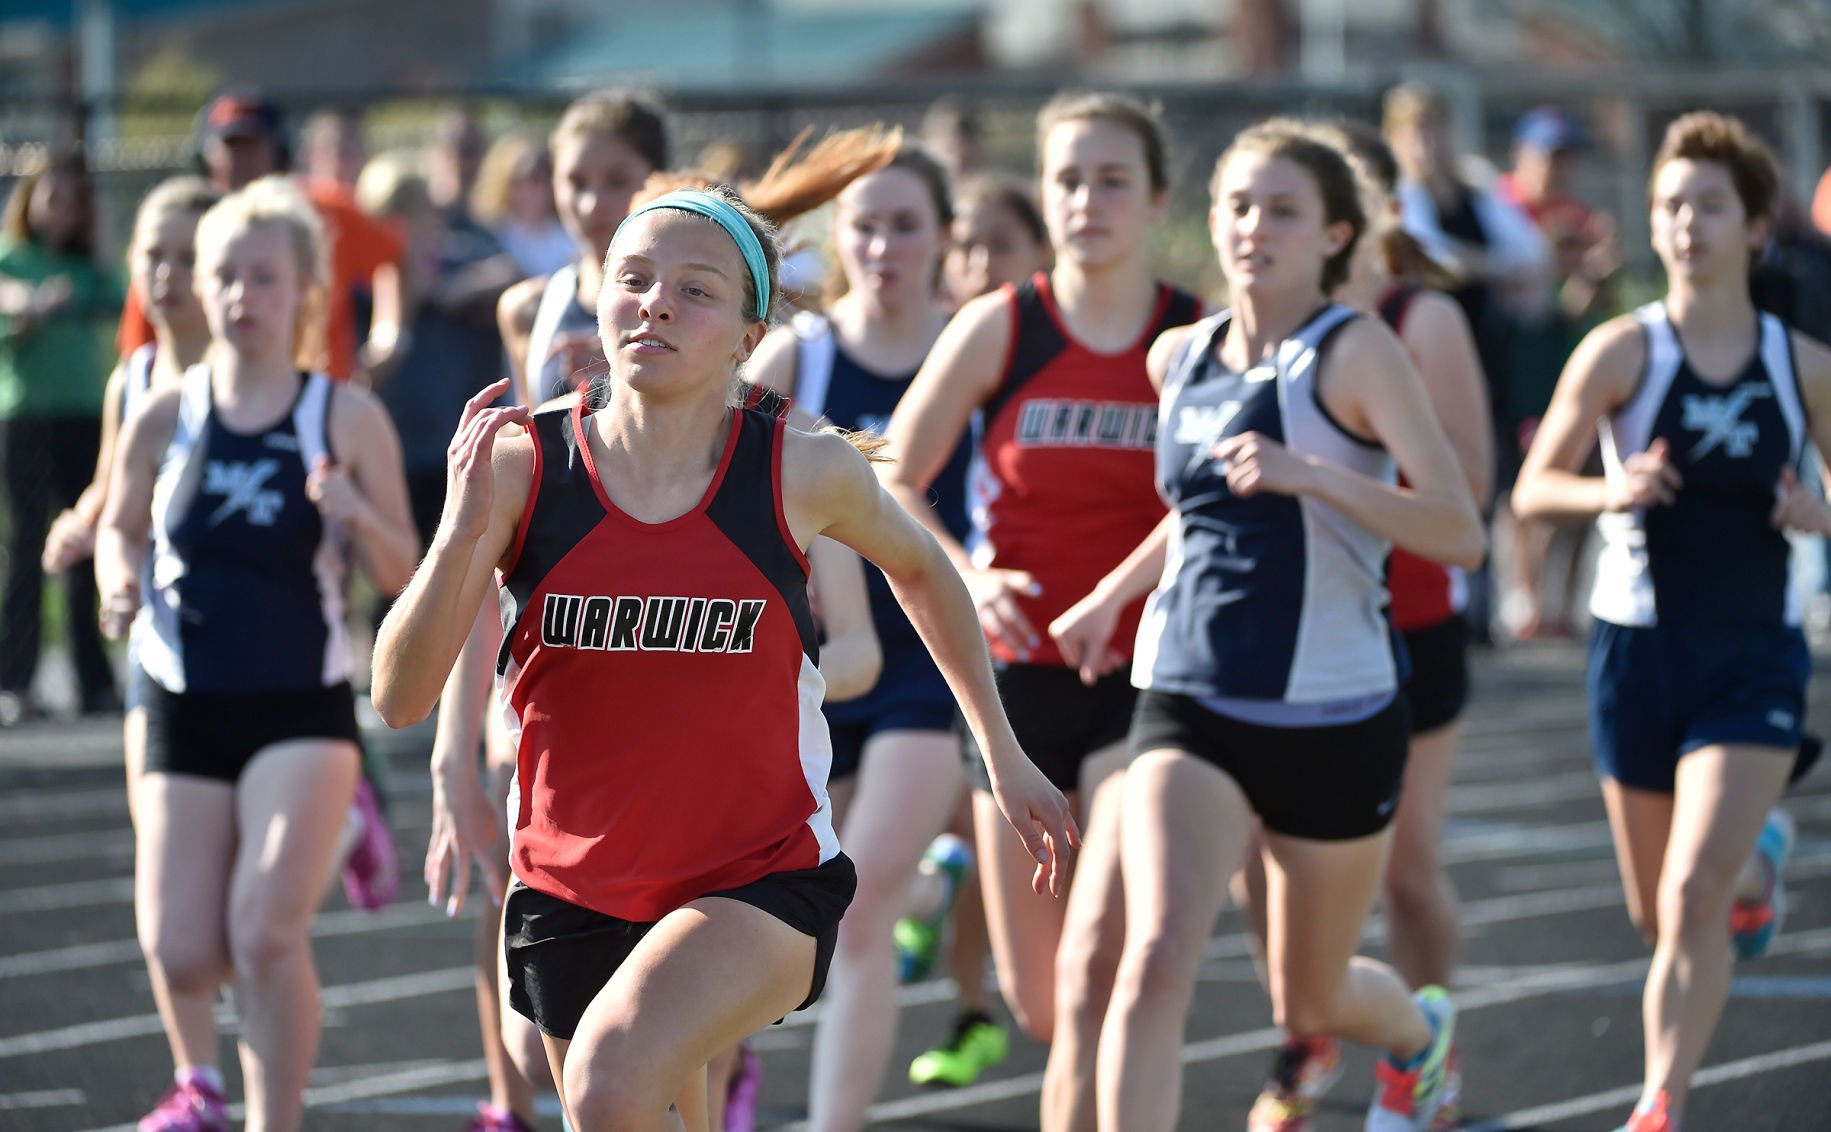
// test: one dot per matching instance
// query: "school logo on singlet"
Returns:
(1719, 418)
(655, 624)
(1203, 424)
(243, 487)
(1086, 424)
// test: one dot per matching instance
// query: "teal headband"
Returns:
(730, 219)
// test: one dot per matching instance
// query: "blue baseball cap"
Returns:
(241, 112)
(1548, 129)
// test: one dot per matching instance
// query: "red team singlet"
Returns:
(661, 684)
(1065, 485)
(1423, 593)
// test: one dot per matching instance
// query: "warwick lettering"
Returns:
(656, 624)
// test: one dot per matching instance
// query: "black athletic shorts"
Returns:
(1439, 686)
(216, 735)
(560, 955)
(1321, 783)
(1059, 721)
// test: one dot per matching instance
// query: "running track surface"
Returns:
(1550, 1032)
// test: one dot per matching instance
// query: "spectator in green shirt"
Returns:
(57, 313)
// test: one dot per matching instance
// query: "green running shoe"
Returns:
(918, 942)
(977, 1045)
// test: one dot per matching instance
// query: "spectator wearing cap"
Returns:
(1585, 251)
(1491, 244)
(1586, 257)
(1502, 260)
(241, 137)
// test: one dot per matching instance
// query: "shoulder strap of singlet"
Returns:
(816, 349)
(1305, 347)
(138, 377)
(311, 420)
(1195, 348)
(1396, 305)
(749, 509)
(1628, 428)
(1777, 358)
(1035, 339)
(1180, 308)
(556, 297)
(194, 403)
(762, 399)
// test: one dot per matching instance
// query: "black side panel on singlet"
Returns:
(569, 509)
(745, 511)
(1039, 339)
(1037, 342)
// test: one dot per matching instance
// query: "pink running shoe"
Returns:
(190, 1106)
(489, 1118)
(744, 1093)
(371, 873)
(1650, 1116)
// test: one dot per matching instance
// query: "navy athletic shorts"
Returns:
(1656, 694)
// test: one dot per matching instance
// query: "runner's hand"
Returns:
(995, 594)
(118, 610)
(1084, 634)
(1798, 507)
(464, 826)
(70, 541)
(1041, 816)
(1648, 479)
(470, 479)
(332, 491)
(1253, 462)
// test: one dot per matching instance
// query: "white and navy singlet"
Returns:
(1711, 555)
(244, 588)
(831, 383)
(564, 353)
(1274, 598)
(139, 383)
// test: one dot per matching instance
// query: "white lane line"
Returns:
(328, 925)
(43, 1098)
(1532, 985)
(1475, 914)
(1575, 976)
(88, 845)
(36, 806)
(423, 1076)
(114, 844)
(76, 894)
(1494, 797)
(32, 805)
(1628, 1094)
(369, 993)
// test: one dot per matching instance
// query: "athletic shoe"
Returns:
(1755, 923)
(489, 1118)
(190, 1106)
(1305, 1069)
(918, 942)
(977, 1044)
(744, 1092)
(371, 873)
(1650, 1116)
(1280, 1110)
(1318, 1064)
(1411, 1097)
(1449, 1113)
